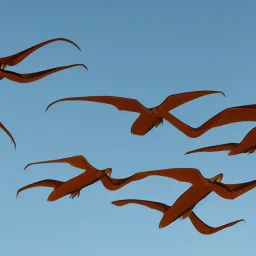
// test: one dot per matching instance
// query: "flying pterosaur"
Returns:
(15, 59)
(90, 176)
(201, 187)
(200, 226)
(149, 117)
(247, 145)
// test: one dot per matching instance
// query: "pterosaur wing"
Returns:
(150, 204)
(246, 113)
(240, 186)
(42, 183)
(8, 133)
(75, 161)
(190, 175)
(175, 100)
(32, 77)
(203, 228)
(232, 191)
(15, 59)
(123, 104)
(215, 148)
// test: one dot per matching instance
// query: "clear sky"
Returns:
(140, 49)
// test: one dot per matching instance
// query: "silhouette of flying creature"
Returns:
(15, 59)
(184, 205)
(149, 117)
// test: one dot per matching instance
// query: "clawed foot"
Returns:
(73, 195)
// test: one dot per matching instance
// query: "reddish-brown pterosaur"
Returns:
(31, 77)
(201, 187)
(74, 185)
(200, 226)
(149, 117)
(247, 145)
(90, 176)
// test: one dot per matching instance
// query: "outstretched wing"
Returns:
(176, 100)
(15, 59)
(75, 161)
(247, 145)
(123, 104)
(42, 183)
(232, 191)
(246, 113)
(32, 77)
(150, 204)
(240, 186)
(8, 133)
(208, 230)
(216, 148)
(190, 175)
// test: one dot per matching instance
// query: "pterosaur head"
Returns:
(217, 178)
(108, 171)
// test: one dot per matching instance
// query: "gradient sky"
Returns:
(140, 49)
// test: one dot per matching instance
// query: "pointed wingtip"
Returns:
(50, 105)
(26, 167)
(222, 93)
(84, 66)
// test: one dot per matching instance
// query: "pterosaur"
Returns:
(201, 187)
(15, 59)
(200, 226)
(247, 145)
(149, 117)
(88, 177)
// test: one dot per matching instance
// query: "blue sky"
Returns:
(140, 49)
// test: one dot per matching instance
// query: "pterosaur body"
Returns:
(201, 187)
(247, 145)
(15, 59)
(149, 117)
